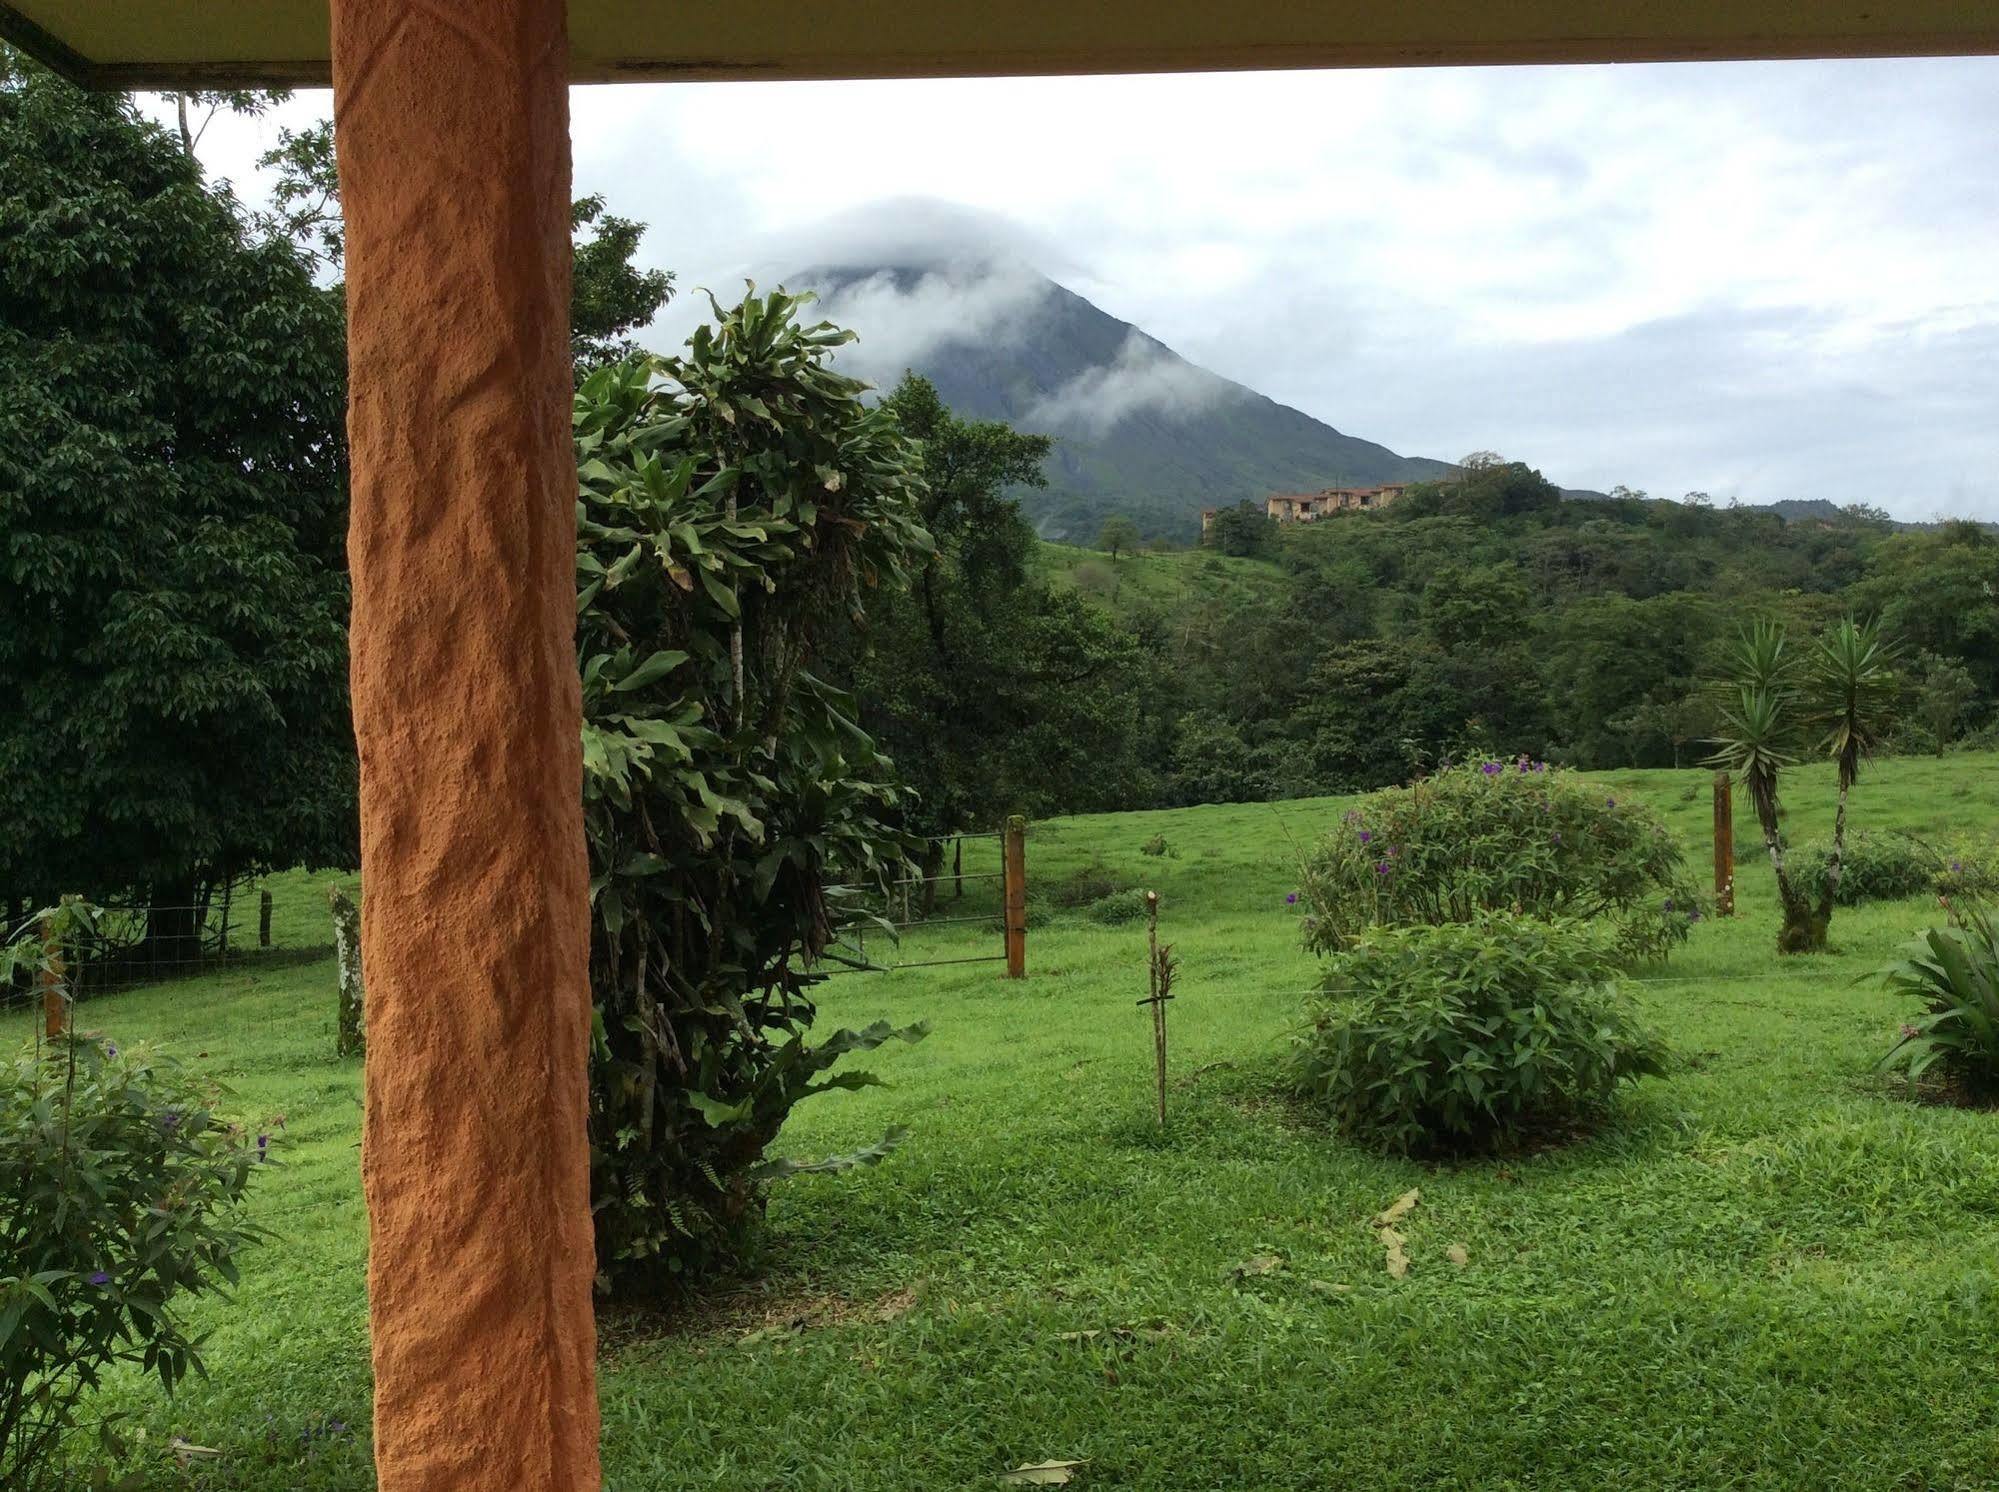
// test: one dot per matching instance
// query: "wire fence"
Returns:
(137, 943)
(932, 899)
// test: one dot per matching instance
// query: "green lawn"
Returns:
(1771, 1273)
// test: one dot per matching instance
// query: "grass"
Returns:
(1771, 1273)
(1175, 584)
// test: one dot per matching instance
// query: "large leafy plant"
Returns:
(1839, 700)
(1462, 1035)
(1498, 836)
(1953, 973)
(119, 1193)
(736, 506)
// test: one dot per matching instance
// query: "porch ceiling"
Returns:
(190, 43)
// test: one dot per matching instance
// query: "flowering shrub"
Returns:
(121, 1193)
(1459, 1035)
(1500, 836)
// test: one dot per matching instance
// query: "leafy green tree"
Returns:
(172, 511)
(992, 693)
(1244, 531)
(1118, 533)
(1755, 741)
(610, 297)
(1945, 691)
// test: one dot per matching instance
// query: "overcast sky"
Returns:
(1757, 280)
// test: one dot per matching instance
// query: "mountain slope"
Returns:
(1138, 429)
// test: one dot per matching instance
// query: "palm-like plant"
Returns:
(1757, 738)
(1954, 972)
(1851, 698)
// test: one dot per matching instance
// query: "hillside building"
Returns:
(1310, 507)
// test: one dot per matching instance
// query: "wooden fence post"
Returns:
(264, 918)
(55, 1009)
(1016, 897)
(1724, 845)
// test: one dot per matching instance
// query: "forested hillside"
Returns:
(1486, 615)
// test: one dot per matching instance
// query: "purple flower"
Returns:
(99, 1277)
(1910, 1031)
(263, 1147)
(1491, 769)
(1366, 836)
(1694, 915)
(1610, 802)
(1669, 903)
(1381, 868)
(1556, 837)
(1291, 900)
(170, 1120)
(110, 1048)
(1957, 867)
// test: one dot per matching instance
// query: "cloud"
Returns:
(1145, 379)
(900, 316)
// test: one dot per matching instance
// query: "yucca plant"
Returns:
(1771, 709)
(1851, 698)
(1954, 972)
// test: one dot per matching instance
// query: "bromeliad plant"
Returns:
(1840, 701)
(1953, 972)
(736, 505)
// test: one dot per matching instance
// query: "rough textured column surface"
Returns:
(452, 123)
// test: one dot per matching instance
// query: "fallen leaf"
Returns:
(1397, 1210)
(1328, 1287)
(1257, 1264)
(1398, 1261)
(1458, 1254)
(1042, 1474)
(186, 1452)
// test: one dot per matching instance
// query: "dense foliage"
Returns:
(1497, 836)
(737, 505)
(1952, 972)
(1487, 614)
(992, 693)
(119, 1193)
(172, 515)
(1465, 1034)
(1874, 867)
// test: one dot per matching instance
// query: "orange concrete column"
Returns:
(452, 123)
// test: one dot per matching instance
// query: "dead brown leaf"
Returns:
(1398, 1261)
(1042, 1474)
(1458, 1254)
(1397, 1210)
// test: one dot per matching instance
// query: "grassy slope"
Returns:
(1173, 584)
(1771, 1275)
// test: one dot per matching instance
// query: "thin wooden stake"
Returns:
(1159, 989)
(1724, 845)
(55, 1005)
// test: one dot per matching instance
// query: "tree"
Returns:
(1755, 742)
(1945, 690)
(1244, 530)
(172, 512)
(609, 296)
(1851, 698)
(992, 693)
(1118, 533)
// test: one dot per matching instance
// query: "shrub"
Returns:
(1953, 972)
(1874, 867)
(736, 505)
(1086, 885)
(1155, 846)
(1120, 906)
(1500, 836)
(1460, 1035)
(121, 1201)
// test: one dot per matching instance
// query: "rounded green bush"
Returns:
(1120, 906)
(1875, 867)
(1495, 836)
(1461, 1035)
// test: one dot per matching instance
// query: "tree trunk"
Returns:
(933, 870)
